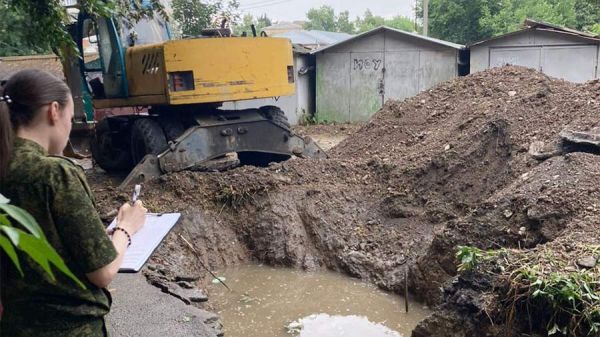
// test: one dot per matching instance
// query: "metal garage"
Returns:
(356, 76)
(556, 51)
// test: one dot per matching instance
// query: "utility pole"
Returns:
(426, 17)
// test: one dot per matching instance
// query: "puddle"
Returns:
(265, 301)
(339, 326)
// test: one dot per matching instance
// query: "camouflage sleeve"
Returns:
(77, 220)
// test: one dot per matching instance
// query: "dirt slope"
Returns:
(449, 166)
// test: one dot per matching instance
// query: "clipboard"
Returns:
(146, 240)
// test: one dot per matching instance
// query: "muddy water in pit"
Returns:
(265, 300)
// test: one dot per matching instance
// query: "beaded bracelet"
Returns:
(126, 233)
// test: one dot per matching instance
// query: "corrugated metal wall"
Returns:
(559, 55)
(355, 78)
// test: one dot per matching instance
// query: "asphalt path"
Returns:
(140, 309)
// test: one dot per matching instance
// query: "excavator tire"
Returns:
(109, 157)
(147, 137)
(276, 116)
(172, 128)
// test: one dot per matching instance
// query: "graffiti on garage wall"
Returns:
(367, 64)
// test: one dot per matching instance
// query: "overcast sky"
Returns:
(290, 10)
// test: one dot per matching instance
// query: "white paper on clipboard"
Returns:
(145, 241)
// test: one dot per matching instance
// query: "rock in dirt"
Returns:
(587, 262)
(187, 295)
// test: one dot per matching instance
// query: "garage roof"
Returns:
(543, 26)
(395, 31)
(314, 37)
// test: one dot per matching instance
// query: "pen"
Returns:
(136, 193)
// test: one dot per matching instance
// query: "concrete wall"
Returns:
(355, 78)
(558, 55)
(302, 102)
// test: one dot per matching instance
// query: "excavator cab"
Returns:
(102, 44)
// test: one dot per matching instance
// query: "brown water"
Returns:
(283, 302)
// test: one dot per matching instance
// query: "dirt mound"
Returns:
(546, 215)
(449, 166)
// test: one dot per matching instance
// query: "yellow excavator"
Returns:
(169, 94)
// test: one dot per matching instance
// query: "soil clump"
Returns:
(447, 167)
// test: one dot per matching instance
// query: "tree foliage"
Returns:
(13, 33)
(467, 21)
(370, 21)
(193, 16)
(459, 20)
(29, 239)
(324, 18)
(248, 20)
(513, 13)
(587, 15)
(46, 21)
(344, 24)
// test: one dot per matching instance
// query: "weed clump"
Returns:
(559, 296)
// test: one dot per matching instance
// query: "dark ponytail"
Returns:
(6, 136)
(20, 100)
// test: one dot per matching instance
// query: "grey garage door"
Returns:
(401, 74)
(575, 64)
(529, 57)
(572, 63)
(366, 85)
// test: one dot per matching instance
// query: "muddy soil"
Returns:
(328, 135)
(447, 167)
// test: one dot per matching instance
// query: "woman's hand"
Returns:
(132, 218)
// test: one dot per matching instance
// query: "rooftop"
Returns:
(396, 31)
(13, 64)
(530, 24)
(316, 38)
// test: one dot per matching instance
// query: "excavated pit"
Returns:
(445, 168)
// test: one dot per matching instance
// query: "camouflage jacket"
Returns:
(54, 190)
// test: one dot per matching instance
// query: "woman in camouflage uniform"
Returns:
(36, 110)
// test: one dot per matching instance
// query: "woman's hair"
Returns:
(21, 97)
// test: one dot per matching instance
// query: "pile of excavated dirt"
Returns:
(445, 168)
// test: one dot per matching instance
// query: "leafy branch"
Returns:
(48, 19)
(30, 240)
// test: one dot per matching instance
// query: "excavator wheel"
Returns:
(147, 137)
(172, 128)
(109, 157)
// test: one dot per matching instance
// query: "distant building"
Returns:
(314, 39)
(13, 64)
(282, 27)
(557, 51)
(357, 75)
(68, 2)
